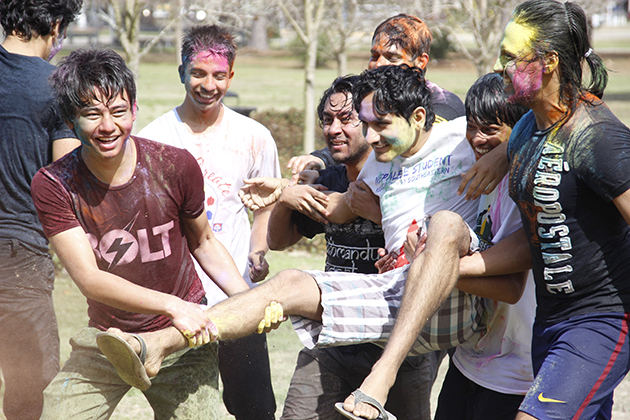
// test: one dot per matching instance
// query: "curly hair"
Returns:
(342, 84)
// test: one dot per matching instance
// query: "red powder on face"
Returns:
(526, 80)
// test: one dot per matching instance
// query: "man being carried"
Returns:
(124, 215)
(324, 376)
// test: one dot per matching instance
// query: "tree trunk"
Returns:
(342, 63)
(309, 97)
(179, 34)
(258, 40)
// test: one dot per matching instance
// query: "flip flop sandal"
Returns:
(128, 365)
(361, 397)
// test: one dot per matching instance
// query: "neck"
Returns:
(421, 139)
(113, 171)
(200, 122)
(547, 106)
(37, 46)
(353, 169)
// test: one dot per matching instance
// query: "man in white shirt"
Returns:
(229, 147)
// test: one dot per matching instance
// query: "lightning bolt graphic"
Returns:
(120, 250)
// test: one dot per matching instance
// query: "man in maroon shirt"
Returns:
(124, 214)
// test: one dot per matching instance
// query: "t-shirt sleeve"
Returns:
(53, 203)
(60, 129)
(191, 182)
(603, 160)
(266, 163)
(325, 156)
(305, 225)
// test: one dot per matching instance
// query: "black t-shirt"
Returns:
(350, 247)
(28, 125)
(563, 180)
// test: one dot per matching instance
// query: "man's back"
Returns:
(28, 124)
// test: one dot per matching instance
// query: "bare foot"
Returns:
(156, 352)
(376, 388)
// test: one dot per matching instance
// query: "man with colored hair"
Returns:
(31, 135)
(400, 39)
(125, 214)
(229, 148)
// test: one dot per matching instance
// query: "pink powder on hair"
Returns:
(217, 54)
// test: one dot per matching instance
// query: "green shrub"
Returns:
(286, 129)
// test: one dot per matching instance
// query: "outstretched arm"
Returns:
(76, 254)
(257, 193)
(499, 272)
(258, 248)
(212, 256)
(282, 232)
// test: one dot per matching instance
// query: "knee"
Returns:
(290, 279)
(448, 224)
(449, 229)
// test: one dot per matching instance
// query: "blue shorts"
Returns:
(577, 365)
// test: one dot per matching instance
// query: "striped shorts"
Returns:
(360, 308)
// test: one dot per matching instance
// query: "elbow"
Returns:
(517, 288)
(277, 243)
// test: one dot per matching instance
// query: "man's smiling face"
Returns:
(206, 78)
(389, 135)
(342, 129)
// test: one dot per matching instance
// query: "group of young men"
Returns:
(153, 231)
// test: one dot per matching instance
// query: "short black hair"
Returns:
(342, 84)
(28, 18)
(486, 103)
(86, 73)
(398, 90)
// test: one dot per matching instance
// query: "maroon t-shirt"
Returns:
(135, 229)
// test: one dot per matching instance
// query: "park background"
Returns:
(271, 84)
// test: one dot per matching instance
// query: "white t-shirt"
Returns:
(238, 148)
(501, 359)
(424, 183)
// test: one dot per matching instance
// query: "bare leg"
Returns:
(524, 416)
(431, 279)
(238, 316)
